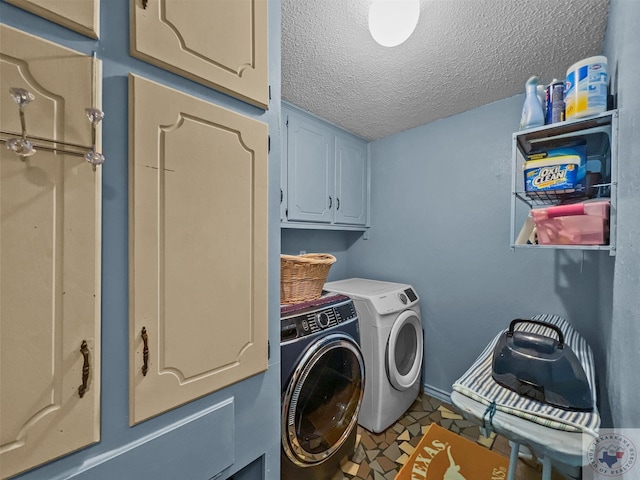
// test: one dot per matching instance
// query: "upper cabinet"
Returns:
(222, 45)
(325, 175)
(50, 226)
(198, 247)
(564, 185)
(310, 170)
(352, 180)
(83, 16)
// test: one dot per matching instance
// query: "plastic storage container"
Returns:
(584, 223)
(558, 170)
(586, 88)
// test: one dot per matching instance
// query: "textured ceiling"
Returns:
(463, 54)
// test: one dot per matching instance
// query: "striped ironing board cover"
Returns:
(478, 384)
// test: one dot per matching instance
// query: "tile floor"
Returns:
(380, 456)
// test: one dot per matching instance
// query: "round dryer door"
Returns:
(322, 401)
(404, 351)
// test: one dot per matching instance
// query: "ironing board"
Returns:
(554, 435)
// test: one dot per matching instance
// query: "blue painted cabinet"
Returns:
(351, 181)
(325, 175)
(310, 170)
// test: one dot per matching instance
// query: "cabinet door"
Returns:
(310, 168)
(221, 44)
(198, 248)
(50, 256)
(352, 185)
(83, 16)
(283, 173)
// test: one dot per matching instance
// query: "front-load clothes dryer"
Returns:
(391, 339)
(322, 373)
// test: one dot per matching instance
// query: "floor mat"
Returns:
(441, 454)
(379, 456)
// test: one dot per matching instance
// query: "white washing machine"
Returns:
(391, 340)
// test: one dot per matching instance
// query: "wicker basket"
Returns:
(302, 276)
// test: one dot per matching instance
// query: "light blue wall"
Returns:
(320, 241)
(440, 221)
(256, 401)
(622, 47)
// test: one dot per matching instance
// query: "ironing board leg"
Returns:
(546, 468)
(513, 461)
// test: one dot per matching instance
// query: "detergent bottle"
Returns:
(532, 112)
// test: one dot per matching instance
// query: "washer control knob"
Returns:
(322, 319)
(403, 298)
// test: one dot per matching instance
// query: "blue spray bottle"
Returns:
(532, 112)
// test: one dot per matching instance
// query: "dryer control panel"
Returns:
(391, 302)
(310, 319)
(385, 298)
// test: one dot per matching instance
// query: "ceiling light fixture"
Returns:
(391, 22)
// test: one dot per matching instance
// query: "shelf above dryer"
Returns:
(599, 134)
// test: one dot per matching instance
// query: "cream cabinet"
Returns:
(198, 247)
(221, 44)
(83, 16)
(50, 208)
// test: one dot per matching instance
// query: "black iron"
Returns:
(541, 367)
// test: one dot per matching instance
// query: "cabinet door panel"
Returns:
(221, 44)
(351, 182)
(50, 256)
(83, 16)
(310, 171)
(198, 251)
